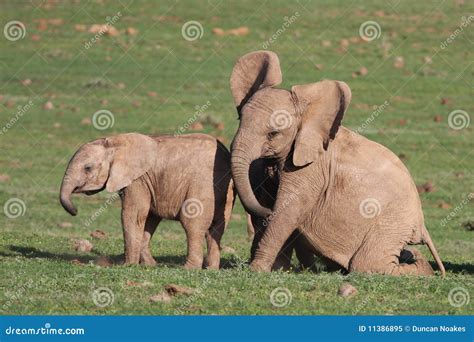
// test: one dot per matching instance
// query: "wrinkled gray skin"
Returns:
(185, 178)
(352, 199)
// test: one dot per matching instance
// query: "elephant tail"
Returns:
(427, 240)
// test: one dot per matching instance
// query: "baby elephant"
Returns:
(185, 178)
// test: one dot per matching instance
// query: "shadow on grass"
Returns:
(33, 253)
(171, 260)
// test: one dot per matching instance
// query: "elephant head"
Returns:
(296, 125)
(109, 163)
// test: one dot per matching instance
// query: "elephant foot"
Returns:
(148, 261)
(256, 266)
(210, 265)
(192, 266)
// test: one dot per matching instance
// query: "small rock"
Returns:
(4, 178)
(121, 85)
(218, 31)
(161, 297)
(197, 126)
(48, 105)
(80, 28)
(427, 60)
(98, 234)
(347, 290)
(65, 225)
(131, 31)
(82, 245)
(174, 290)
(445, 101)
(399, 62)
(468, 225)
(103, 261)
(444, 205)
(26, 82)
(57, 125)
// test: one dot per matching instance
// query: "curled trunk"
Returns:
(240, 172)
(67, 188)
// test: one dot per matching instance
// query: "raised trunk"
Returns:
(240, 172)
(67, 187)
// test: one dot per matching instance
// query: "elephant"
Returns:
(352, 199)
(185, 178)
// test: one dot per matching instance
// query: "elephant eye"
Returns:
(88, 168)
(272, 134)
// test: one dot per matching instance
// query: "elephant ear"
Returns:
(252, 72)
(323, 106)
(133, 155)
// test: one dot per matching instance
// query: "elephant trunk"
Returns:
(67, 188)
(240, 165)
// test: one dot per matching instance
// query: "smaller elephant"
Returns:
(185, 178)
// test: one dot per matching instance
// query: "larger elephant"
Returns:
(352, 199)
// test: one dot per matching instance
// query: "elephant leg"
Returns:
(213, 239)
(151, 223)
(135, 208)
(196, 229)
(369, 259)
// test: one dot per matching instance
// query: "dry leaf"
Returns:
(174, 290)
(82, 245)
(121, 85)
(438, 118)
(344, 43)
(98, 234)
(347, 290)
(26, 82)
(326, 43)
(152, 94)
(86, 121)
(57, 125)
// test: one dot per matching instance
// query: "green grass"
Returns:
(37, 275)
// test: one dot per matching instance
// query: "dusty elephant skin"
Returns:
(352, 200)
(185, 178)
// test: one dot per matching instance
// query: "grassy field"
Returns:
(154, 80)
